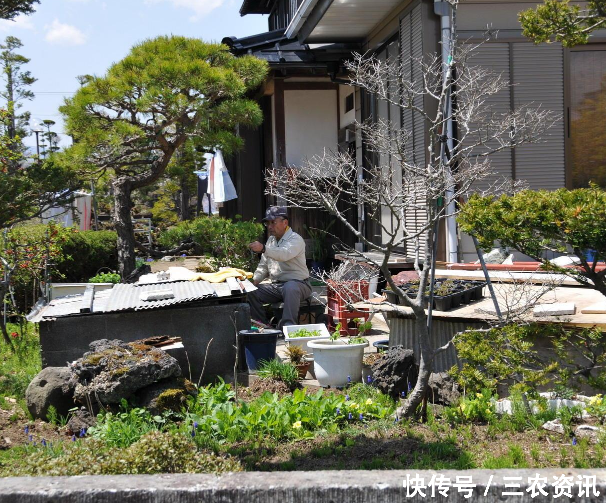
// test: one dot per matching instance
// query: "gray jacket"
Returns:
(283, 260)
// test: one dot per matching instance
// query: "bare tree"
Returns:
(397, 180)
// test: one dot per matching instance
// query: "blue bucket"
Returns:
(259, 346)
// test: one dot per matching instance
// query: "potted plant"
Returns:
(297, 357)
(301, 335)
(337, 362)
(319, 249)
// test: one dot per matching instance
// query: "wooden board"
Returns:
(483, 310)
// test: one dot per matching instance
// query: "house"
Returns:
(308, 105)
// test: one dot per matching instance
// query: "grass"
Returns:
(18, 368)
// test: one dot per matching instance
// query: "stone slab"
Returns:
(346, 486)
(558, 309)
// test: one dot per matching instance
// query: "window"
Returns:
(587, 116)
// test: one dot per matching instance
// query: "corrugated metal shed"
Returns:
(128, 297)
(125, 297)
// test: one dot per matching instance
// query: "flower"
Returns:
(150, 259)
(479, 395)
(349, 416)
(462, 406)
(184, 254)
(14, 335)
(346, 397)
(488, 411)
(403, 394)
(354, 405)
(361, 417)
(574, 440)
(73, 438)
(338, 411)
(348, 379)
(595, 399)
(44, 442)
(26, 429)
(369, 379)
(368, 401)
(296, 425)
(82, 432)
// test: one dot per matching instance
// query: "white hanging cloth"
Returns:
(220, 185)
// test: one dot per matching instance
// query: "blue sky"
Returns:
(67, 38)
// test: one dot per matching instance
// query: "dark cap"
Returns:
(274, 212)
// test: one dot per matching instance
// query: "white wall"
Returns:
(311, 124)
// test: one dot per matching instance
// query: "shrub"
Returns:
(478, 407)
(106, 277)
(85, 253)
(508, 356)
(155, 452)
(225, 240)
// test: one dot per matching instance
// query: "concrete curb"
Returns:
(312, 487)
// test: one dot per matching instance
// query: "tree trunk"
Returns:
(5, 336)
(185, 215)
(425, 366)
(124, 226)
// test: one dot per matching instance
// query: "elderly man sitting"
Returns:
(283, 261)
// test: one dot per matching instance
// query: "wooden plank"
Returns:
(483, 310)
(248, 286)
(221, 289)
(88, 299)
(233, 285)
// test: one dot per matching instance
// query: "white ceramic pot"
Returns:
(336, 361)
(302, 342)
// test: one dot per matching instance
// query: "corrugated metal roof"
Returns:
(70, 305)
(128, 297)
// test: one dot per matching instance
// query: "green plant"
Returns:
(357, 340)
(106, 277)
(154, 452)
(597, 407)
(18, 368)
(569, 416)
(535, 222)
(318, 240)
(472, 408)
(445, 288)
(337, 332)
(501, 355)
(279, 371)
(223, 239)
(303, 332)
(123, 428)
(296, 354)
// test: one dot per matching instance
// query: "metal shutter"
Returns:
(538, 74)
(411, 51)
(496, 57)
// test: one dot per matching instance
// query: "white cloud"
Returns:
(200, 7)
(64, 34)
(20, 23)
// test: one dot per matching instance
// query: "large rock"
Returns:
(114, 370)
(168, 394)
(52, 386)
(443, 389)
(80, 421)
(395, 372)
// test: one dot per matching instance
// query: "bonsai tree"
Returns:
(133, 120)
(558, 20)
(395, 181)
(535, 222)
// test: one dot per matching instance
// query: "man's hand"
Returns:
(256, 247)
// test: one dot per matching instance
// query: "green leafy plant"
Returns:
(105, 277)
(597, 407)
(223, 239)
(337, 332)
(319, 250)
(279, 371)
(303, 332)
(296, 354)
(123, 428)
(535, 222)
(478, 407)
(357, 340)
